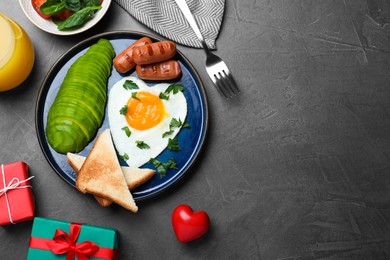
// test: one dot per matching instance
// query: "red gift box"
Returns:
(16, 196)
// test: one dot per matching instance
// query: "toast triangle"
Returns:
(101, 174)
(134, 176)
(76, 162)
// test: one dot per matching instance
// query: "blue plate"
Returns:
(190, 139)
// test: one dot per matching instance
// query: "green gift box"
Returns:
(55, 239)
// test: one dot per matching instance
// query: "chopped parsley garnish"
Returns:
(175, 123)
(174, 88)
(159, 167)
(186, 125)
(163, 167)
(167, 133)
(172, 125)
(171, 164)
(142, 145)
(129, 85)
(127, 130)
(134, 95)
(124, 156)
(123, 110)
(173, 144)
(163, 96)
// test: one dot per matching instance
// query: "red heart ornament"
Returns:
(189, 225)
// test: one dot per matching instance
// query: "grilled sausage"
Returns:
(165, 70)
(154, 53)
(123, 62)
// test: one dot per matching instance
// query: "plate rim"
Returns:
(44, 90)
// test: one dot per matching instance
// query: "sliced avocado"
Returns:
(78, 109)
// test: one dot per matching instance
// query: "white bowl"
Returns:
(50, 27)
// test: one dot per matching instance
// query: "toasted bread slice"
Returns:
(101, 174)
(102, 201)
(76, 162)
(134, 176)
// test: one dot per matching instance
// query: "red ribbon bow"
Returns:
(63, 243)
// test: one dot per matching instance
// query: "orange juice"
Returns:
(16, 54)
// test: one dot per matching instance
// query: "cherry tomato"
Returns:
(64, 14)
(37, 4)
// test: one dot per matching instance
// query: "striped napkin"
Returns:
(165, 18)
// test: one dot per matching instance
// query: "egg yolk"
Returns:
(145, 111)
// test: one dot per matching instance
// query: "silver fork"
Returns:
(215, 66)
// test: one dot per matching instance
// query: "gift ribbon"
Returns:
(62, 243)
(12, 185)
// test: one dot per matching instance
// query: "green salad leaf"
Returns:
(52, 7)
(78, 18)
(73, 5)
(92, 2)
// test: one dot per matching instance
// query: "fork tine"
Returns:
(214, 79)
(218, 84)
(232, 81)
(228, 83)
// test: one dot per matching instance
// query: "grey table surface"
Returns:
(296, 167)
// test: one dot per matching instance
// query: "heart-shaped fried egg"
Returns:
(142, 119)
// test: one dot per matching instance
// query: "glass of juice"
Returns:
(16, 54)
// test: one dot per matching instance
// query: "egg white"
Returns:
(175, 107)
